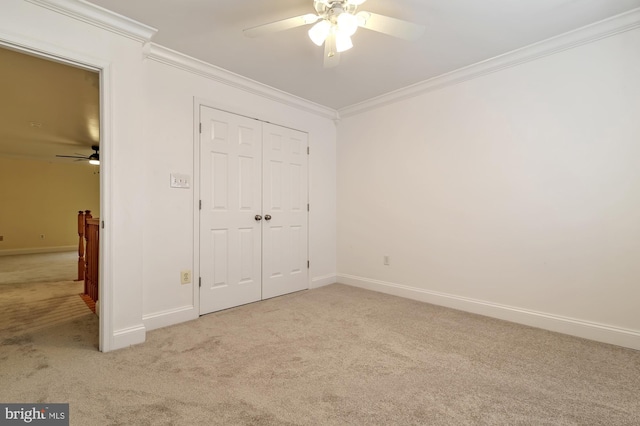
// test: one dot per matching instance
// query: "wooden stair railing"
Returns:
(88, 252)
(81, 261)
(92, 235)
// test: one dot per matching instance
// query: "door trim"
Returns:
(54, 53)
(197, 104)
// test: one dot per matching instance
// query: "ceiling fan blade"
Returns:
(390, 26)
(72, 156)
(331, 54)
(281, 25)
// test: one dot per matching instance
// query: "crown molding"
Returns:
(99, 17)
(204, 69)
(602, 29)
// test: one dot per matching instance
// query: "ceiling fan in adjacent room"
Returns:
(335, 22)
(93, 158)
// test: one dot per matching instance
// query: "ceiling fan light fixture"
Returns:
(347, 23)
(343, 41)
(319, 32)
(362, 18)
(94, 159)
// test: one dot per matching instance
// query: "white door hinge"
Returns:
(200, 127)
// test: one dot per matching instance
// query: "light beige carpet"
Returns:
(331, 356)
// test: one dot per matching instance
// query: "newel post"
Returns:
(86, 216)
(81, 261)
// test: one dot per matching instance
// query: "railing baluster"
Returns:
(81, 261)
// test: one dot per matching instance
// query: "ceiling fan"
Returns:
(93, 158)
(335, 22)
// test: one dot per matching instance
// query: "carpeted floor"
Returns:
(330, 356)
(28, 307)
(37, 268)
(37, 291)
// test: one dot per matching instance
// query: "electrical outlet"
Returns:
(185, 277)
(386, 260)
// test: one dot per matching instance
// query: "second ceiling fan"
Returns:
(335, 22)
(92, 158)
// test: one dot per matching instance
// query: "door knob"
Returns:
(267, 217)
(258, 217)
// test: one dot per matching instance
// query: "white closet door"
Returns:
(231, 195)
(285, 224)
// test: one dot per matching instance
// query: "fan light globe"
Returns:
(348, 23)
(362, 18)
(343, 41)
(94, 162)
(319, 32)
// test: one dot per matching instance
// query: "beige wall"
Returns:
(43, 198)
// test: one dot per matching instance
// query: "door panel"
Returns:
(230, 237)
(249, 168)
(285, 235)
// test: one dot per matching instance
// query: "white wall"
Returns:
(515, 194)
(148, 135)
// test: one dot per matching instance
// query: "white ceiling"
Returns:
(458, 33)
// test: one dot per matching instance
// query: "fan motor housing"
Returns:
(332, 9)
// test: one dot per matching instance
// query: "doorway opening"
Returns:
(50, 113)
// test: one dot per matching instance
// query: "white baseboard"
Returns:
(170, 317)
(128, 337)
(36, 250)
(575, 327)
(322, 281)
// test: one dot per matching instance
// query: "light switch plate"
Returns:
(180, 181)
